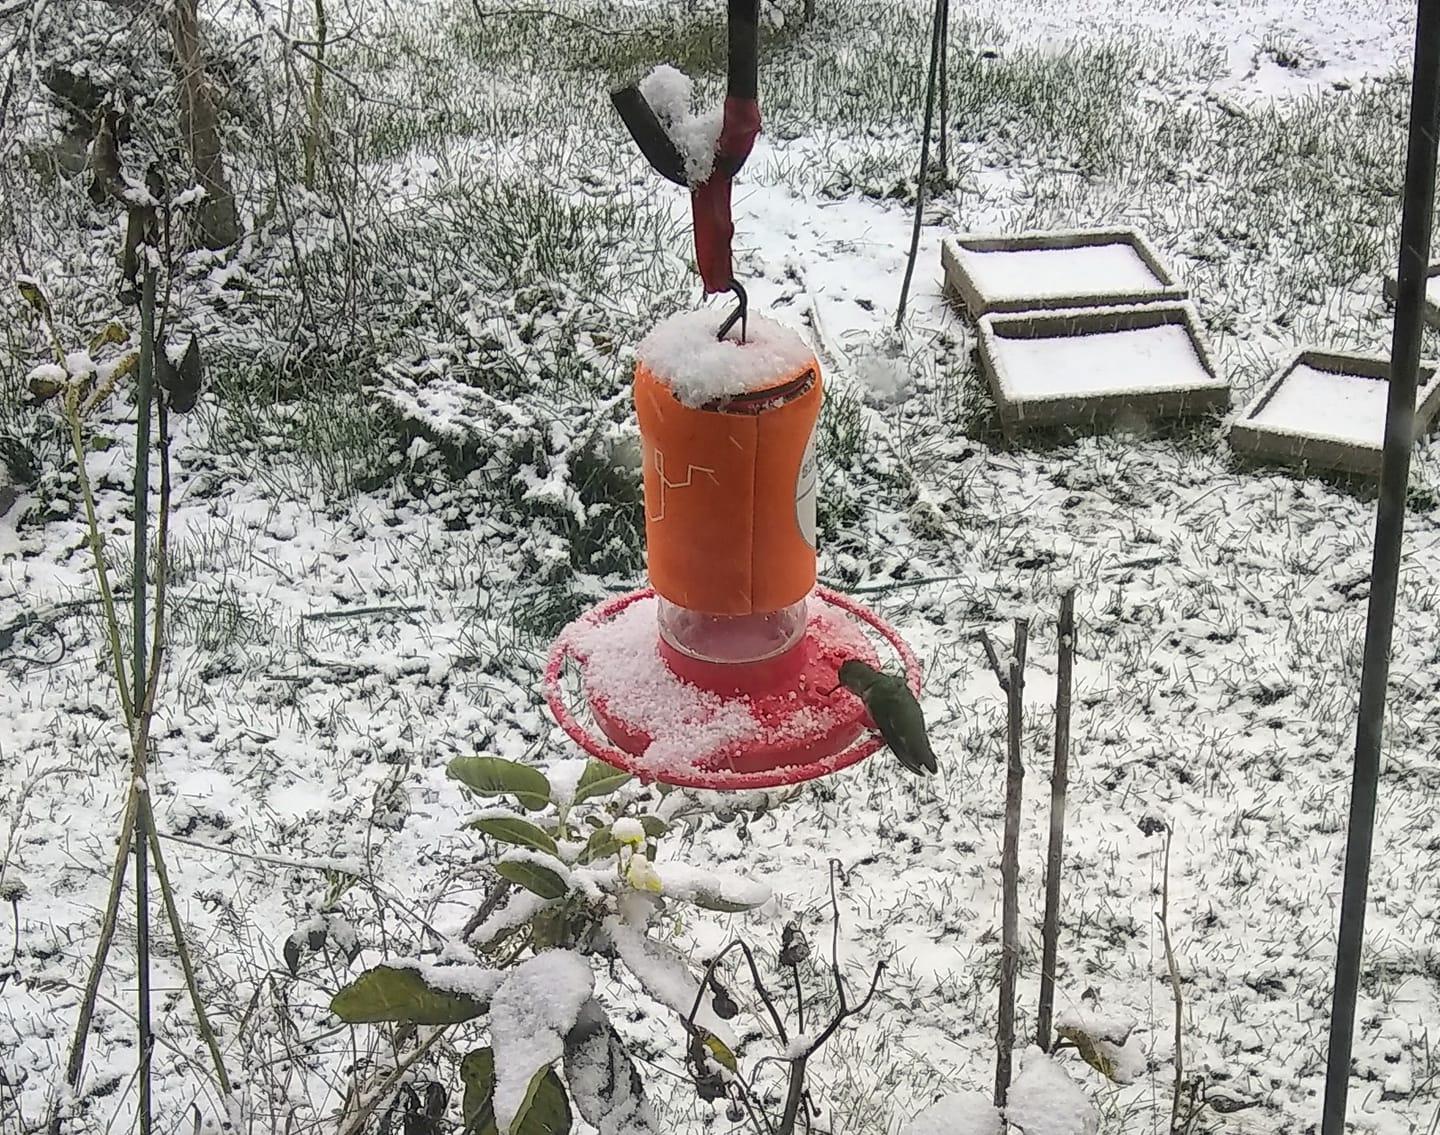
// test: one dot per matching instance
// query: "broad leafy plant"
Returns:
(579, 877)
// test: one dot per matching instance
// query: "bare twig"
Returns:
(1014, 688)
(1174, 985)
(358, 1122)
(1059, 782)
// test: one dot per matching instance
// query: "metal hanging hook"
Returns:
(740, 315)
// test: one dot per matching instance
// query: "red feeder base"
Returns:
(668, 717)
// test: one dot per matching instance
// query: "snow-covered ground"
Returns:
(336, 643)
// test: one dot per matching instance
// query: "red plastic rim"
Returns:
(794, 744)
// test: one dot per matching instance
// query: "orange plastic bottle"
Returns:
(730, 486)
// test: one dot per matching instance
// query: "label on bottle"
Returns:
(806, 488)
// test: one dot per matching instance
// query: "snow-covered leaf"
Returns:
(599, 779)
(416, 995)
(535, 872)
(1101, 1044)
(608, 1091)
(666, 976)
(512, 829)
(531, 1013)
(711, 890)
(495, 776)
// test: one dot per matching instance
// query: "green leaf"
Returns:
(388, 993)
(512, 829)
(599, 779)
(533, 877)
(654, 826)
(546, 1110)
(495, 776)
(721, 1052)
(477, 1073)
(600, 845)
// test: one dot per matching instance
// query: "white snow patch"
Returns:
(1101, 363)
(669, 92)
(962, 1113)
(1047, 273)
(624, 667)
(1045, 1101)
(683, 352)
(1322, 404)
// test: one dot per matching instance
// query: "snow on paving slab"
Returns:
(1329, 410)
(1044, 273)
(1057, 269)
(1145, 358)
(1098, 363)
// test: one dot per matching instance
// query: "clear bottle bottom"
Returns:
(732, 638)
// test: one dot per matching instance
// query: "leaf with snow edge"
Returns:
(549, 1112)
(496, 776)
(1044, 1100)
(415, 994)
(608, 1091)
(1100, 1041)
(962, 1113)
(477, 1073)
(519, 908)
(512, 829)
(599, 779)
(535, 871)
(721, 1052)
(665, 976)
(601, 845)
(546, 1110)
(711, 890)
(530, 1014)
(654, 826)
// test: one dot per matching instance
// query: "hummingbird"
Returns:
(895, 712)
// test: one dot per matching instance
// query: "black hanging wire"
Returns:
(1415, 232)
(937, 39)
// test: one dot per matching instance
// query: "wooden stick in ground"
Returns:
(1059, 783)
(1174, 986)
(1012, 682)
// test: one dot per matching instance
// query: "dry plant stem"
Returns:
(1174, 984)
(97, 551)
(102, 950)
(357, 1124)
(1012, 683)
(317, 96)
(1059, 784)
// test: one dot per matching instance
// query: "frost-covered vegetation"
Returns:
(413, 460)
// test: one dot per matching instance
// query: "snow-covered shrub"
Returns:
(580, 880)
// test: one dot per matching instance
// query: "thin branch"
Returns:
(1174, 985)
(1059, 784)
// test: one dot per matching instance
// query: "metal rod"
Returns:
(1415, 229)
(936, 30)
(138, 672)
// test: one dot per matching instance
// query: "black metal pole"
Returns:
(1415, 227)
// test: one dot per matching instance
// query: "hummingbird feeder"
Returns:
(723, 673)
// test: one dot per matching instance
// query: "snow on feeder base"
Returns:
(723, 674)
(662, 716)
